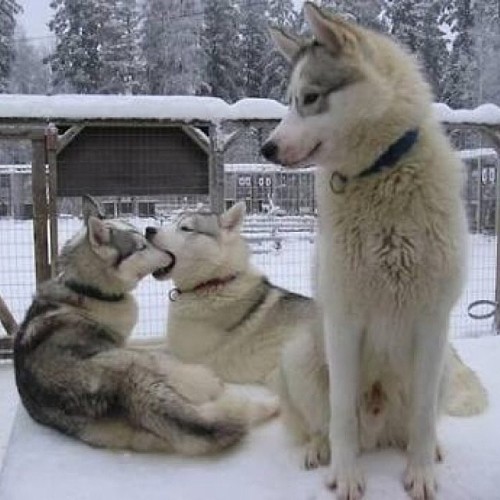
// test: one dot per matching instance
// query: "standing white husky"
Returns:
(391, 241)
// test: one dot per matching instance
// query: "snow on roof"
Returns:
(71, 106)
(257, 109)
(18, 168)
(101, 107)
(486, 114)
(267, 168)
(182, 108)
(468, 154)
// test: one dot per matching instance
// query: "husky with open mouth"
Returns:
(75, 374)
(225, 313)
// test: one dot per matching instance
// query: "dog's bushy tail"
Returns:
(182, 428)
(466, 395)
(215, 425)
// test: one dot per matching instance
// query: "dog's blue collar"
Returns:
(93, 292)
(386, 160)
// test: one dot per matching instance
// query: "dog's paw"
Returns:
(419, 482)
(348, 481)
(317, 452)
(260, 411)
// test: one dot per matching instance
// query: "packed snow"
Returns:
(46, 465)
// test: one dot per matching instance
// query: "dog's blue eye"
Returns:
(310, 98)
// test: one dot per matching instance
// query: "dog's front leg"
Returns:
(343, 342)
(429, 345)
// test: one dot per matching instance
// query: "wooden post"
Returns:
(494, 135)
(52, 143)
(216, 169)
(40, 210)
(6, 318)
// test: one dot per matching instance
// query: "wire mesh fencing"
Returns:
(17, 276)
(280, 225)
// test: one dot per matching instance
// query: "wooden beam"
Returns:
(68, 136)
(7, 319)
(52, 145)
(40, 211)
(198, 136)
(216, 170)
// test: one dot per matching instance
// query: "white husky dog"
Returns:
(224, 312)
(391, 240)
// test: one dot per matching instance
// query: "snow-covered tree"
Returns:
(417, 24)
(119, 53)
(97, 46)
(8, 11)
(280, 13)
(29, 75)
(461, 74)
(220, 42)
(254, 46)
(154, 45)
(171, 45)
(76, 62)
(486, 34)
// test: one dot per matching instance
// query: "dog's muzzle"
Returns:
(163, 272)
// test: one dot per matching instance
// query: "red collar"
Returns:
(205, 287)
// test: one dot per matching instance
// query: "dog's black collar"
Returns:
(93, 292)
(388, 159)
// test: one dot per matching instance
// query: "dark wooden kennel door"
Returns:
(114, 161)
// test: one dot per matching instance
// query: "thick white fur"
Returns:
(390, 255)
(199, 323)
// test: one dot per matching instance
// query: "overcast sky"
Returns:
(37, 13)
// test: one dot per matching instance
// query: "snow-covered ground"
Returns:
(45, 465)
(289, 267)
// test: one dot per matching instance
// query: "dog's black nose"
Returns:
(150, 232)
(270, 151)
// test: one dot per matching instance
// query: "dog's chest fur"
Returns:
(385, 237)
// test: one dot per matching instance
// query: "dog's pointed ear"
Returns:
(97, 231)
(91, 208)
(287, 44)
(233, 218)
(332, 31)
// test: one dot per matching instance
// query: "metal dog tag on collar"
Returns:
(173, 294)
(338, 183)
